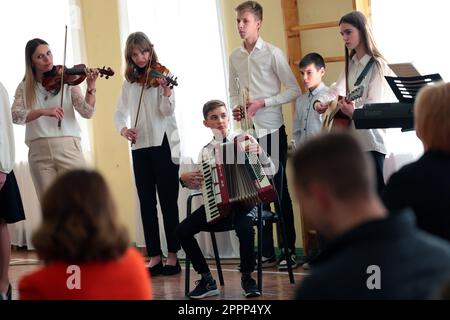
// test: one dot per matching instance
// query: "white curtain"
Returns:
(23, 20)
(187, 35)
(411, 31)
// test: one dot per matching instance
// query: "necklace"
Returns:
(44, 92)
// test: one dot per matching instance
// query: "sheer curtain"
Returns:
(187, 35)
(43, 19)
(411, 31)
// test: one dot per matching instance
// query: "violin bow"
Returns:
(62, 75)
(142, 92)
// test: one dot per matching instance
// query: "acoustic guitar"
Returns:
(333, 117)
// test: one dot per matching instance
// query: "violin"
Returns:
(156, 71)
(51, 80)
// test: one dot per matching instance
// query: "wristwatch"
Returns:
(92, 91)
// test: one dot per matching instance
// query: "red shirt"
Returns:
(126, 278)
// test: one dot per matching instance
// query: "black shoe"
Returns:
(282, 262)
(249, 286)
(157, 269)
(169, 270)
(206, 287)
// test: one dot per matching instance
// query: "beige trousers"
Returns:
(51, 157)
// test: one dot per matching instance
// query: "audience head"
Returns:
(431, 117)
(79, 221)
(332, 174)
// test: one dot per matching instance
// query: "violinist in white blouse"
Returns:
(52, 131)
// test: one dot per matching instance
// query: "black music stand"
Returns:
(406, 88)
(394, 115)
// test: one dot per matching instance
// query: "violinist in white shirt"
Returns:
(149, 102)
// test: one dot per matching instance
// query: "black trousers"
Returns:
(196, 222)
(154, 171)
(378, 161)
(275, 144)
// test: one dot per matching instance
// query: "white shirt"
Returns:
(156, 116)
(47, 127)
(307, 122)
(262, 72)
(376, 91)
(6, 133)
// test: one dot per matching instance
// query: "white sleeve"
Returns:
(166, 104)
(287, 78)
(232, 87)
(6, 133)
(122, 115)
(79, 103)
(19, 111)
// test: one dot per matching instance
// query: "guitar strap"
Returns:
(363, 73)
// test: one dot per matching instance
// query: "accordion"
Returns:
(233, 178)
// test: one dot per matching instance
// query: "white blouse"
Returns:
(376, 90)
(47, 127)
(6, 133)
(156, 116)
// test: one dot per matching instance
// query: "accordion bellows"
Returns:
(233, 178)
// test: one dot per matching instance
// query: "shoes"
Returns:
(249, 286)
(267, 262)
(306, 266)
(282, 263)
(7, 295)
(157, 269)
(205, 287)
(169, 270)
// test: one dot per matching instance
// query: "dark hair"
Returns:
(336, 160)
(252, 6)
(311, 58)
(141, 41)
(30, 77)
(79, 221)
(359, 21)
(210, 106)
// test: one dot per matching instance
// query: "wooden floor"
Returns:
(276, 284)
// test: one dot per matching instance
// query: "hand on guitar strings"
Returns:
(347, 107)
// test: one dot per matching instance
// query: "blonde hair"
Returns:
(141, 41)
(431, 117)
(30, 77)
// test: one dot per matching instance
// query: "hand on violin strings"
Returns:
(55, 112)
(91, 76)
(129, 134)
(253, 106)
(165, 85)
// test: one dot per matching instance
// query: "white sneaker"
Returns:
(282, 265)
(306, 266)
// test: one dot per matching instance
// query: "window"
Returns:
(188, 39)
(411, 31)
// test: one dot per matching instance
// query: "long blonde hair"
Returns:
(141, 41)
(30, 77)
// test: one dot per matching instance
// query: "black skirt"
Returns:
(11, 208)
